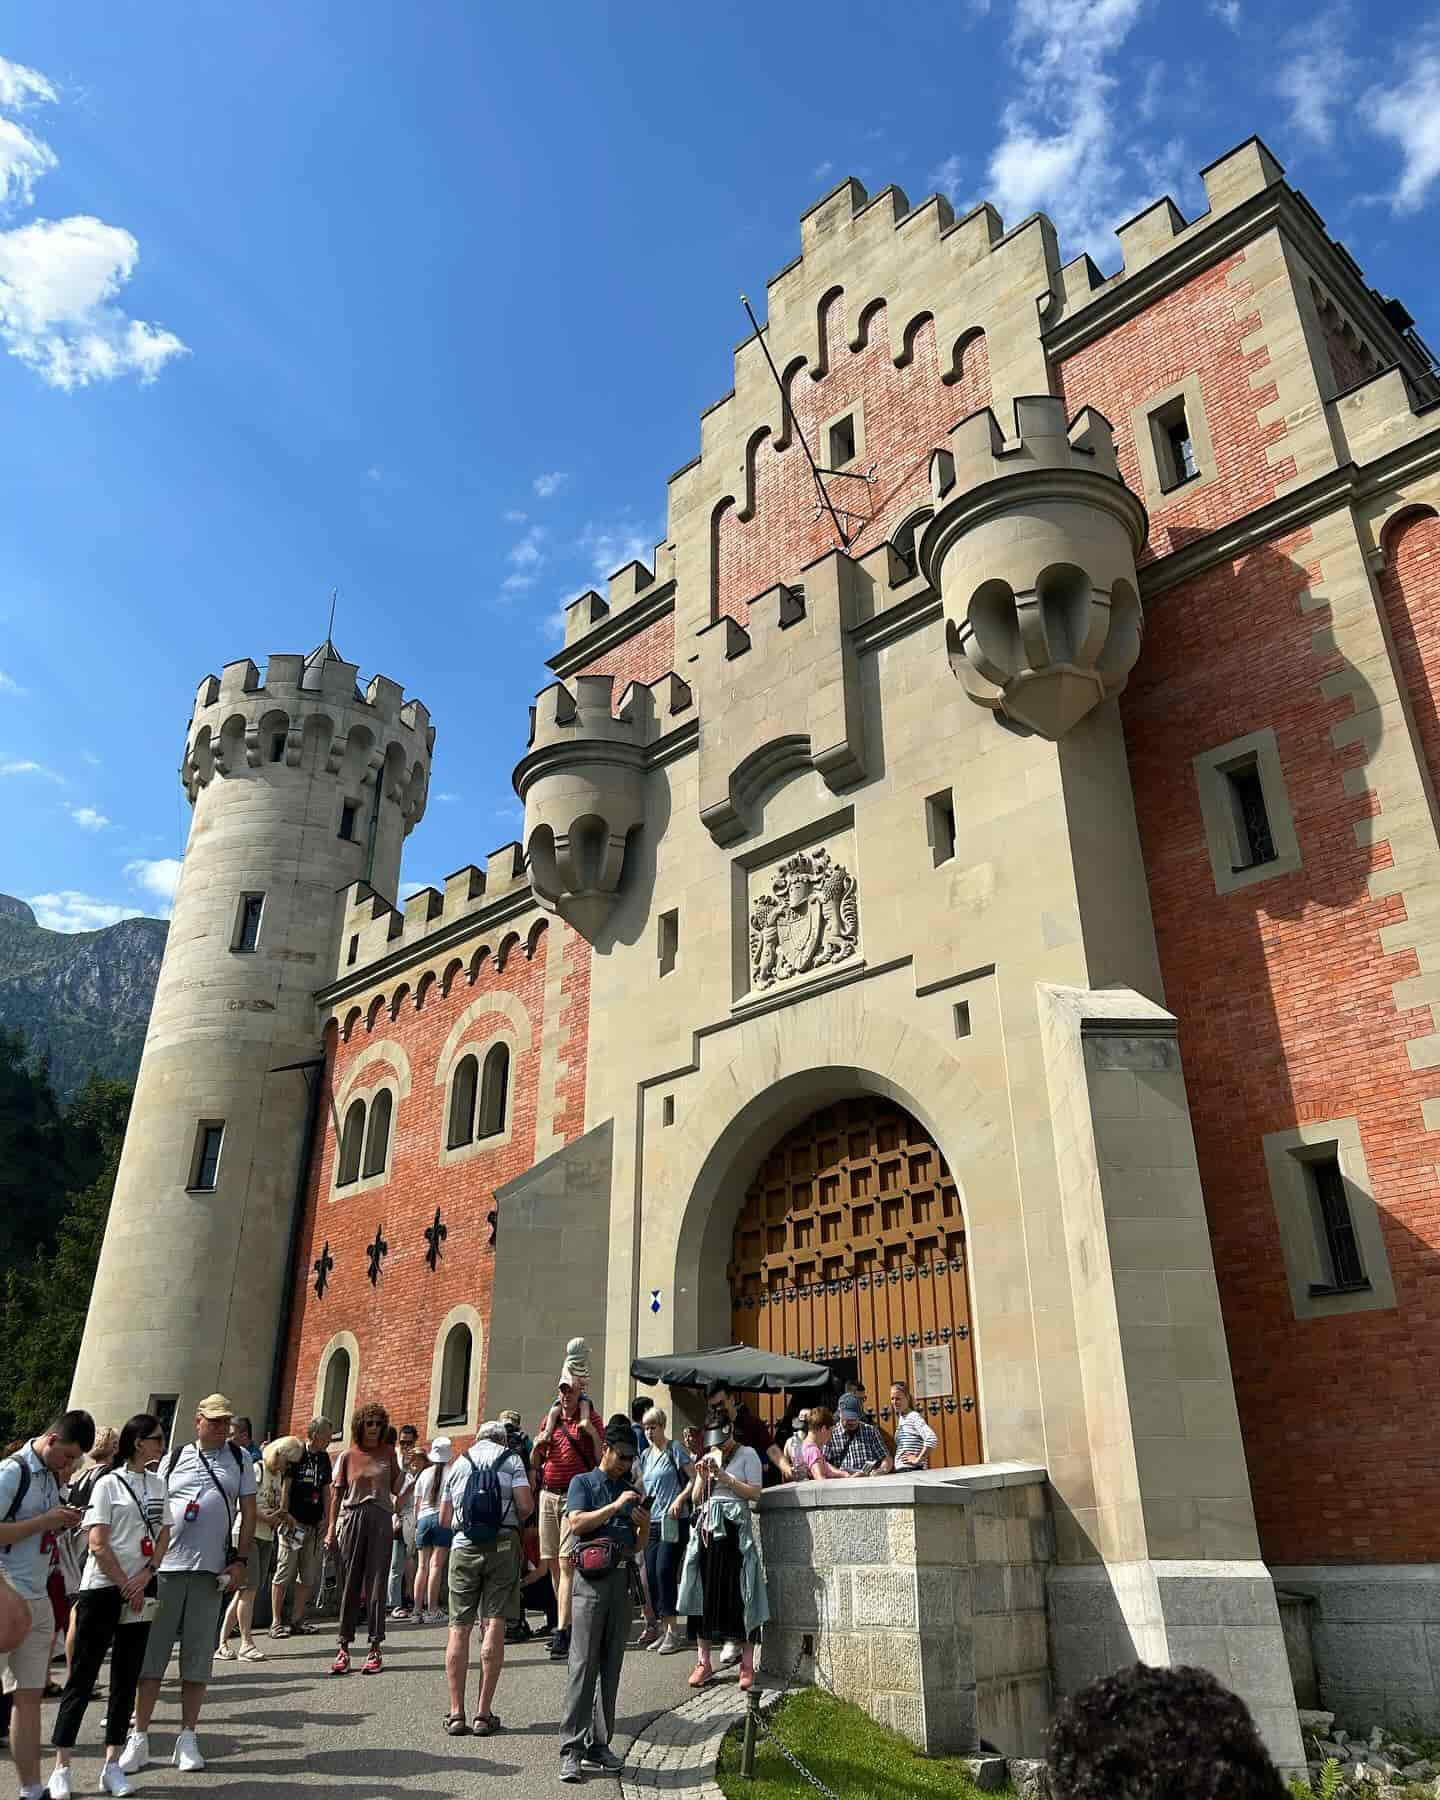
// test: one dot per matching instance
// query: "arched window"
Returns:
(337, 1389)
(903, 542)
(455, 1377)
(351, 1140)
(494, 1090)
(462, 1102)
(377, 1138)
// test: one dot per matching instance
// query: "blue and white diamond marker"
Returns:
(654, 1300)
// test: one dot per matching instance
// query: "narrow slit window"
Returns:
(206, 1171)
(842, 441)
(337, 1385)
(352, 1139)
(940, 826)
(462, 1103)
(667, 1110)
(1175, 445)
(354, 949)
(348, 814)
(668, 941)
(247, 924)
(377, 1136)
(1254, 838)
(494, 1091)
(1335, 1226)
(962, 1018)
(455, 1377)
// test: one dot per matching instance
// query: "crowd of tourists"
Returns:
(135, 1543)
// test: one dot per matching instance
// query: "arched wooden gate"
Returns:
(850, 1250)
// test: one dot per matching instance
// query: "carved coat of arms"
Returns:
(810, 917)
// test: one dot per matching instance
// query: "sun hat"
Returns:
(441, 1450)
(510, 1419)
(215, 1406)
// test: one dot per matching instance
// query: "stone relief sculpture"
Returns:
(810, 917)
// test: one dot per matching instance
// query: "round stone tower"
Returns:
(301, 785)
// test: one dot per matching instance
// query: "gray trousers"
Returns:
(600, 1616)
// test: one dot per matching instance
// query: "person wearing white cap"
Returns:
(432, 1539)
(208, 1483)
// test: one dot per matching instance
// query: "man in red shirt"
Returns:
(568, 1444)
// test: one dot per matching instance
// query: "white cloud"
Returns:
(90, 757)
(611, 546)
(9, 685)
(518, 584)
(1409, 115)
(821, 170)
(513, 516)
(445, 799)
(87, 818)
(546, 486)
(1227, 11)
(59, 278)
(28, 767)
(1313, 74)
(72, 911)
(527, 553)
(156, 877)
(945, 178)
(409, 889)
(58, 282)
(22, 87)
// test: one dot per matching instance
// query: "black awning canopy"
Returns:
(738, 1366)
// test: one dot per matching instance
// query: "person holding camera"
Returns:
(722, 1587)
(609, 1524)
(125, 1519)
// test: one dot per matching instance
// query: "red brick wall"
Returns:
(397, 1322)
(645, 657)
(1284, 999)
(1350, 366)
(907, 413)
(1193, 330)
(1410, 590)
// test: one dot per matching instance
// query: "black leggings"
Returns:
(97, 1629)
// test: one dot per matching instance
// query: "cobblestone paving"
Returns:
(675, 1755)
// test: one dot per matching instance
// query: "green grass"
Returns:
(850, 1753)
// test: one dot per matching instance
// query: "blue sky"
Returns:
(422, 302)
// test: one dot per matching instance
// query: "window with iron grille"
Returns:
(247, 923)
(1254, 838)
(1336, 1227)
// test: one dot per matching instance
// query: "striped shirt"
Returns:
(914, 1440)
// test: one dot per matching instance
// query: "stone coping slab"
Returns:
(925, 1487)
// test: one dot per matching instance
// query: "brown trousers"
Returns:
(366, 1533)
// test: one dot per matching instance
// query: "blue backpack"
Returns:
(482, 1509)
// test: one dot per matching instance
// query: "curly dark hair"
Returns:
(1159, 1734)
(373, 1414)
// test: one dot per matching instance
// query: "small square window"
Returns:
(348, 814)
(940, 826)
(668, 941)
(205, 1169)
(1249, 831)
(841, 446)
(247, 922)
(1335, 1228)
(1175, 452)
(277, 747)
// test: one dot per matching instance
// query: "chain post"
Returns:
(747, 1749)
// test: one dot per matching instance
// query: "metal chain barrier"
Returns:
(755, 1723)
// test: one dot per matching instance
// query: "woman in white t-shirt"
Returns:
(914, 1440)
(128, 1533)
(722, 1587)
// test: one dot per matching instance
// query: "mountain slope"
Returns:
(81, 997)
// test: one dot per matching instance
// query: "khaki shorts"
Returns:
(485, 1579)
(188, 1607)
(298, 1564)
(556, 1537)
(27, 1666)
(260, 1563)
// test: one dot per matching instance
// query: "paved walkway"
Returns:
(288, 1724)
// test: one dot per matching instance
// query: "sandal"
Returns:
(223, 1653)
(486, 1724)
(252, 1653)
(455, 1725)
(280, 1631)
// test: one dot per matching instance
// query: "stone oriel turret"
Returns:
(301, 785)
(1032, 548)
(582, 784)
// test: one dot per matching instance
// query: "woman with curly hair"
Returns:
(367, 1479)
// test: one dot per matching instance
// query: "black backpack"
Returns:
(482, 1509)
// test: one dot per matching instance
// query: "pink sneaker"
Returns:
(341, 1664)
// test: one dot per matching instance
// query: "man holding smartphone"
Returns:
(609, 1523)
(30, 1516)
(861, 1449)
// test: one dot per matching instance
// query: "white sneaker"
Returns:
(113, 1780)
(671, 1644)
(729, 1656)
(136, 1753)
(187, 1753)
(59, 1786)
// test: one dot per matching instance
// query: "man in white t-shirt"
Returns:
(485, 1567)
(209, 1483)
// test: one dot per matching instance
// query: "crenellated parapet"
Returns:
(1032, 549)
(582, 784)
(310, 713)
